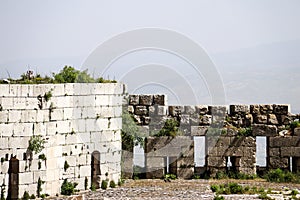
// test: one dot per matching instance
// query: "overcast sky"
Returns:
(46, 35)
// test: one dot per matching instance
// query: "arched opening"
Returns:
(95, 169)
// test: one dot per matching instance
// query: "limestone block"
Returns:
(69, 89)
(16, 142)
(72, 139)
(116, 100)
(58, 89)
(198, 130)
(286, 151)
(141, 110)
(281, 109)
(159, 99)
(297, 131)
(261, 119)
(248, 142)
(71, 160)
(249, 151)
(14, 116)
(23, 129)
(205, 119)
(57, 114)
(274, 152)
(162, 110)
(3, 143)
(4, 167)
(4, 116)
(42, 116)
(176, 110)
(217, 110)
(296, 151)
(264, 130)
(102, 100)
(239, 109)
(19, 103)
(85, 170)
(286, 119)
(146, 100)
(254, 109)
(185, 173)
(134, 100)
(184, 120)
(28, 116)
(7, 103)
(51, 128)
(234, 151)
(272, 119)
(202, 109)
(223, 142)
(39, 174)
(4, 90)
(216, 161)
(26, 178)
(64, 127)
(81, 160)
(155, 162)
(131, 109)
(291, 141)
(84, 137)
(277, 162)
(189, 110)
(114, 88)
(154, 173)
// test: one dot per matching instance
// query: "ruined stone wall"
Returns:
(230, 132)
(77, 121)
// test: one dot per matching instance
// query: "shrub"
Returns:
(104, 184)
(294, 192)
(36, 143)
(42, 157)
(295, 124)
(112, 184)
(219, 197)
(93, 187)
(215, 188)
(280, 176)
(245, 131)
(68, 188)
(264, 195)
(39, 187)
(47, 96)
(170, 177)
(235, 188)
(170, 129)
(26, 196)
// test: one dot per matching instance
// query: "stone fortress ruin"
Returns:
(80, 125)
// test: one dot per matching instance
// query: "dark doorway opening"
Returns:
(13, 187)
(95, 169)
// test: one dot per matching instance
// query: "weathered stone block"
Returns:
(198, 130)
(159, 99)
(184, 120)
(175, 110)
(154, 173)
(297, 131)
(217, 110)
(272, 119)
(185, 173)
(189, 110)
(146, 100)
(261, 119)
(205, 119)
(202, 109)
(277, 162)
(281, 109)
(274, 152)
(239, 109)
(286, 151)
(264, 130)
(216, 161)
(141, 110)
(134, 100)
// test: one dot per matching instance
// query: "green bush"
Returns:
(264, 195)
(245, 131)
(295, 124)
(36, 143)
(294, 192)
(170, 129)
(279, 176)
(170, 177)
(26, 196)
(104, 184)
(68, 188)
(93, 187)
(112, 184)
(219, 197)
(215, 188)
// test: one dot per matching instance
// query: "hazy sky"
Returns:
(46, 35)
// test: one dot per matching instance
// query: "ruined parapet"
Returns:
(172, 154)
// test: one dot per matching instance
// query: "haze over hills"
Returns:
(262, 74)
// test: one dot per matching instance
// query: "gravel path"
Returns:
(180, 189)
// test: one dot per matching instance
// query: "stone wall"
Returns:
(230, 133)
(77, 121)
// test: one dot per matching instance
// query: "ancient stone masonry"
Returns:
(230, 135)
(80, 124)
